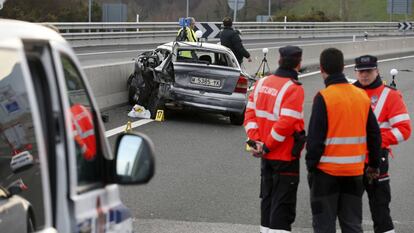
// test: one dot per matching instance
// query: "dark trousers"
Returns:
(336, 196)
(379, 196)
(278, 193)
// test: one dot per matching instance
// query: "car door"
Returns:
(96, 205)
(26, 204)
(207, 70)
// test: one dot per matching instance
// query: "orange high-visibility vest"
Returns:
(84, 131)
(345, 147)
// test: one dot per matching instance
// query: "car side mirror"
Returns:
(134, 159)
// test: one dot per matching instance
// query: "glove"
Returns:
(371, 174)
(256, 148)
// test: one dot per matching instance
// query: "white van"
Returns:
(71, 185)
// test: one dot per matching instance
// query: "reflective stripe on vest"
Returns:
(291, 113)
(381, 101)
(398, 118)
(271, 116)
(345, 140)
(397, 134)
(277, 136)
(343, 159)
(345, 145)
(251, 125)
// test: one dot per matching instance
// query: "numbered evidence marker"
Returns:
(160, 115)
(128, 127)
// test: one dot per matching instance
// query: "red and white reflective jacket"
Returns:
(273, 113)
(391, 113)
(84, 131)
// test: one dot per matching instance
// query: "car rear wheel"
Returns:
(236, 119)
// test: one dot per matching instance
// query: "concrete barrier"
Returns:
(108, 82)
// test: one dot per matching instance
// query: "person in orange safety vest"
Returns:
(84, 132)
(274, 125)
(394, 121)
(342, 128)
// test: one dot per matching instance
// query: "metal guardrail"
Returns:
(167, 30)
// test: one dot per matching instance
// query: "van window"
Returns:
(19, 157)
(87, 161)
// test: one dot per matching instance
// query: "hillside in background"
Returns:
(202, 10)
(302, 10)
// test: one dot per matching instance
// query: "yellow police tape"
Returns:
(128, 127)
(160, 115)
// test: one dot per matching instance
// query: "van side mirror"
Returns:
(134, 159)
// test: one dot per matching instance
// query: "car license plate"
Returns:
(205, 82)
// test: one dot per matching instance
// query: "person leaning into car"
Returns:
(275, 128)
(231, 39)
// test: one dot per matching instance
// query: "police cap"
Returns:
(366, 62)
(290, 52)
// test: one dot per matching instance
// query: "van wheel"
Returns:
(236, 119)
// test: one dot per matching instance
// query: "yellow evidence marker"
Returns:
(160, 115)
(128, 127)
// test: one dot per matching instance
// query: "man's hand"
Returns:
(371, 174)
(249, 59)
(258, 151)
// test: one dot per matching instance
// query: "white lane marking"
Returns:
(120, 129)
(352, 65)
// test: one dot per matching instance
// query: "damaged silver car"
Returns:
(190, 75)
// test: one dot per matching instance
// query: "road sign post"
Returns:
(236, 5)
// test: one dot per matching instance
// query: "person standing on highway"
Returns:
(392, 116)
(275, 128)
(342, 128)
(231, 39)
(187, 33)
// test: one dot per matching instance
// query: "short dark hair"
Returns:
(227, 21)
(332, 61)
